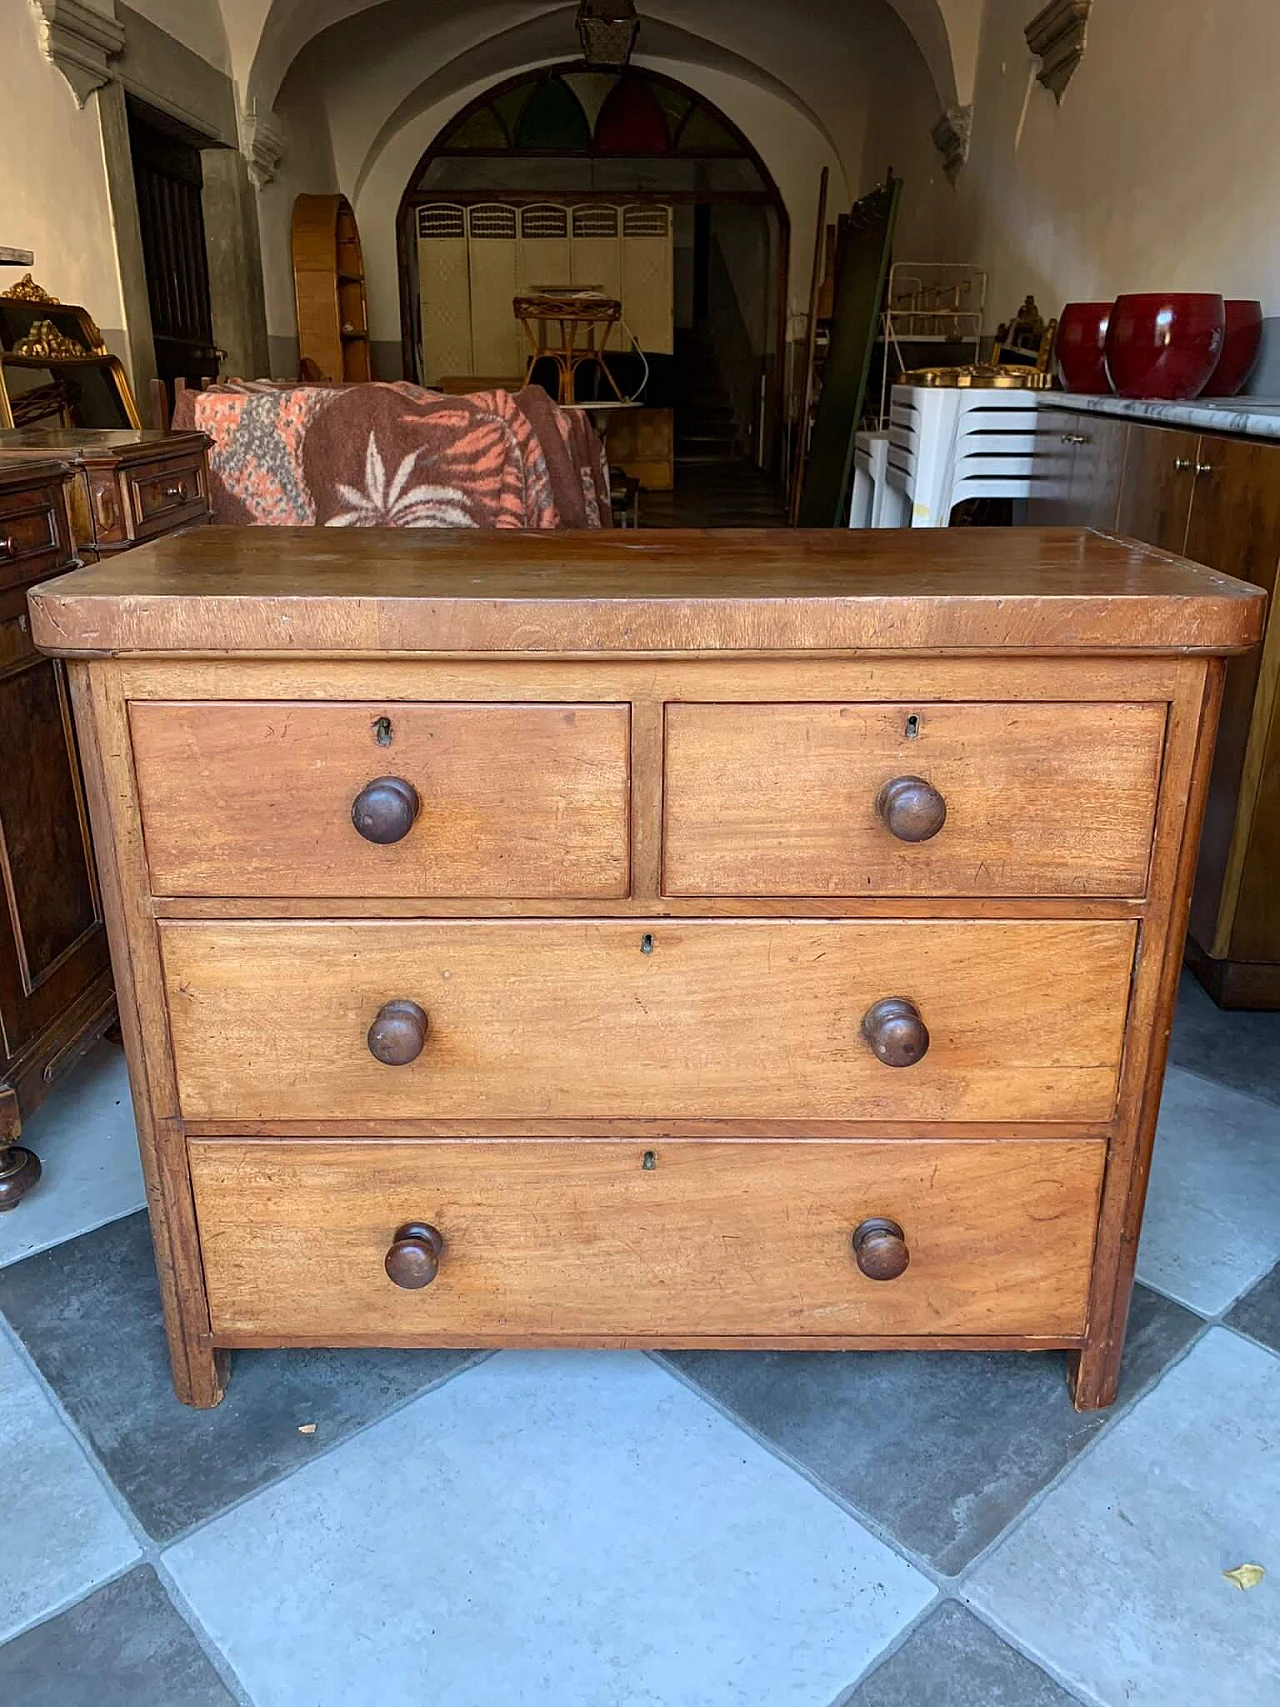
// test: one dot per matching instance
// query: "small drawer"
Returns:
(439, 800)
(33, 536)
(167, 496)
(677, 1242)
(958, 800)
(667, 1020)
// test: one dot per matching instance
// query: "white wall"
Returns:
(53, 190)
(306, 168)
(197, 24)
(1158, 171)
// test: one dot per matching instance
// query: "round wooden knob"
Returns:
(911, 809)
(399, 1034)
(895, 1031)
(414, 1258)
(384, 809)
(880, 1249)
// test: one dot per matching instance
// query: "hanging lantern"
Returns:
(608, 31)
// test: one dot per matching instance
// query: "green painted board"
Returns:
(860, 285)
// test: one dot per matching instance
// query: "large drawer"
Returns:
(524, 801)
(729, 1020)
(1040, 799)
(686, 1240)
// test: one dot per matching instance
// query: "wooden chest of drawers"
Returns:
(129, 484)
(683, 940)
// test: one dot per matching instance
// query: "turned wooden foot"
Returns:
(19, 1171)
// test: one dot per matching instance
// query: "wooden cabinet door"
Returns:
(52, 944)
(1097, 471)
(1159, 477)
(1235, 528)
(1080, 462)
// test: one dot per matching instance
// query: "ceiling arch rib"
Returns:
(541, 41)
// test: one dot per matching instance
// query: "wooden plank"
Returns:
(199, 1372)
(257, 798)
(303, 591)
(605, 1238)
(604, 1019)
(784, 799)
(1095, 1373)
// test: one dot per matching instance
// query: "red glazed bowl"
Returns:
(1164, 345)
(1082, 339)
(1240, 345)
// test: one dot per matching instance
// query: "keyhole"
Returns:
(646, 943)
(913, 727)
(650, 1161)
(382, 731)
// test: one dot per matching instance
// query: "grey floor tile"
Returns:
(953, 1660)
(1258, 1312)
(85, 1139)
(124, 1646)
(553, 1528)
(942, 1449)
(89, 1313)
(1116, 1579)
(1212, 1222)
(1237, 1048)
(60, 1534)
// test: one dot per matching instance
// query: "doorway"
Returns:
(169, 183)
(634, 186)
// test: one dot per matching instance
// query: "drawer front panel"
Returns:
(580, 1239)
(638, 1019)
(523, 801)
(1041, 799)
(167, 496)
(32, 537)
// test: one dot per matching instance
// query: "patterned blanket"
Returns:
(396, 456)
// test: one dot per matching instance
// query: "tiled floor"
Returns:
(614, 1530)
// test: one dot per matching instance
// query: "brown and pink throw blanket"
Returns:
(396, 456)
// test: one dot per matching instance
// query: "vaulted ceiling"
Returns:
(266, 36)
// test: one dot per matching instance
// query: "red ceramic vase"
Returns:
(1082, 339)
(1240, 345)
(1164, 345)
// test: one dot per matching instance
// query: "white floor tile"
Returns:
(84, 1136)
(60, 1534)
(1212, 1225)
(1116, 1579)
(548, 1528)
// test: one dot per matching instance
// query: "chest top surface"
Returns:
(286, 591)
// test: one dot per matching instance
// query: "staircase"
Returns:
(706, 430)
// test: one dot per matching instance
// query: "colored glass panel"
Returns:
(480, 130)
(703, 134)
(553, 120)
(631, 121)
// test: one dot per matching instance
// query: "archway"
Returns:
(631, 181)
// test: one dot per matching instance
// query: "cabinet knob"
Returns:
(398, 1035)
(896, 1033)
(8, 546)
(911, 809)
(1183, 465)
(879, 1248)
(413, 1260)
(384, 809)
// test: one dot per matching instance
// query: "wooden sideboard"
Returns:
(127, 486)
(1215, 499)
(758, 939)
(56, 995)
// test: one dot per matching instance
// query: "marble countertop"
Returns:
(1247, 417)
